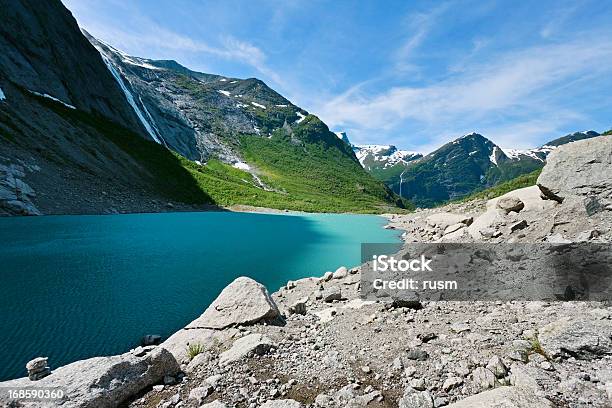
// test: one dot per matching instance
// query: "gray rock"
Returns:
(340, 273)
(482, 379)
(452, 228)
(199, 360)
(579, 168)
(332, 293)
(37, 364)
(243, 301)
(519, 225)
(199, 394)
(252, 344)
(286, 403)
(103, 382)
(327, 276)
(417, 354)
(528, 376)
(213, 380)
(418, 384)
(416, 399)
(445, 219)
(504, 397)
(452, 382)
(489, 232)
(497, 367)
(39, 374)
(299, 306)
(510, 203)
(581, 337)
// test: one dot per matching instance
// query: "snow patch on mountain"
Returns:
(128, 59)
(493, 157)
(383, 155)
(258, 105)
(2, 96)
(302, 117)
(53, 98)
(539, 153)
(226, 93)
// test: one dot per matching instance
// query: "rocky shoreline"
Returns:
(316, 343)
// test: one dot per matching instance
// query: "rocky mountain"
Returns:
(380, 157)
(197, 115)
(242, 123)
(468, 164)
(69, 140)
(86, 128)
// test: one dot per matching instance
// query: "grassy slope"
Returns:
(308, 177)
(525, 180)
(315, 170)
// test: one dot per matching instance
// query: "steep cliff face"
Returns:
(69, 140)
(42, 50)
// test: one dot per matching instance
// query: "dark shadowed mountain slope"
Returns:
(42, 50)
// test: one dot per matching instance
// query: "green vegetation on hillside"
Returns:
(525, 180)
(307, 173)
(316, 170)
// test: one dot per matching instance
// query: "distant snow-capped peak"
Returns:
(383, 155)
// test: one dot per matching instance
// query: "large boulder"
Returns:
(504, 397)
(579, 168)
(249, 345)
(242, 302)
(101, 382)
(582, 337)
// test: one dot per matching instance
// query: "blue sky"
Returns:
(411, 73)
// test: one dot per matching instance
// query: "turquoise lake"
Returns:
(74, 287)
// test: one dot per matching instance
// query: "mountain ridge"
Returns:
(448, 172)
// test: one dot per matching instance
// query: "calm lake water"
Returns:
(74, 287)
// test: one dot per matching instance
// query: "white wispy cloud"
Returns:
(518, 82)
(418, 26)
(145, 36)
